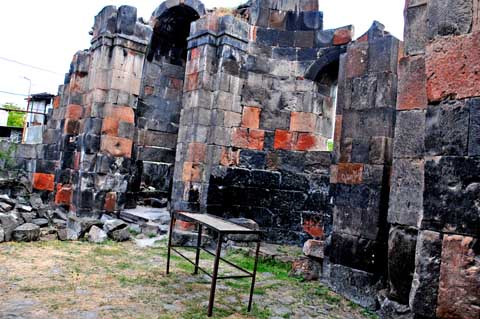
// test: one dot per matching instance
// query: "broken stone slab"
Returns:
(60, 214)
(151, 229)
(314, 248)
(28, 217)
(390, 309)
(97, 235)
(6, 199)
(77, 226)
(35, 201)
(143, 214)
(120, 235)
(26, 233)
(62, 234)
(112, 225)
(306, 268)
(9, 222)
(5, 207)
(42, 222)
(59, 223)
(24, 208)
(2, 235)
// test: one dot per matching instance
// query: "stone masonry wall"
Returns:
(436, 173)
(257, 116)
(240, 110)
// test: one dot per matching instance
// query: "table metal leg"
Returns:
(250, 301)
(170, 235)
(215, 275)
(199, 244)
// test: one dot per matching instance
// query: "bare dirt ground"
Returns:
(80, 280)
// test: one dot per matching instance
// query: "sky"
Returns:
(45, 34)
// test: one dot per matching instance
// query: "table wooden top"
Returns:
(218, 224)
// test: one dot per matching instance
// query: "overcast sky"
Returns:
(47, 33)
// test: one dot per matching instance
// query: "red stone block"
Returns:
(197, 152)
(350, 174)
(120, 113)
(76, 161)
(195, 53)
(314, 248)
(192, 172)
(338, 129)
(309, 142)
(240, 137)
(459, 288)
(110, 126)
(453, 67)
(314, 229)
(110, 202)
(252, 35)
(44, 182)
(357, 60)
(342, 36)
(283, 140)
(412, 82)
(303, 122)
(63, 195)
(116, 146)
(251, 117)
(192, 82)
(184, 225)
(56, 102)
(256, 140)
(230, 157)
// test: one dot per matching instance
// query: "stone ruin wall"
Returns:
(236, 123)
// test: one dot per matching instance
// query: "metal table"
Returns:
(222, 228)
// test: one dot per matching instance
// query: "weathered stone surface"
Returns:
(97, 235)
(415, 35)
(390, 309)
(2, 235)
(412, 81)
(449, 17)
(26, 233)
(112, 225)
(424, 291)
(459, 289)
(77, 226)
(314, 248)
(452, 65)
(452, 187)
(410, 134)
(474, 129)
(401, 262)
(446, 130)
(406, 192)
(9, 222)
(306, 268)
(359, 286)
(121, 235)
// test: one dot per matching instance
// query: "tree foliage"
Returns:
(15, 119)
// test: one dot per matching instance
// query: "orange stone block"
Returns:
(120, 113)
(314, 229)
(116, 146)
(351, 174)
(197, 152)
(412, 82)
(240, 137)
(71, 127)
(56, 102)
(283, 140)
(74, 112)
(192, 82)
(44, 182)
(110, 202)
(307, 142)
(63, 195)
(342, 36)
(110, 126)
(184, 225)
(256, 140)
(303, 122)
(192, 172)
(251, 117)
(230, 157)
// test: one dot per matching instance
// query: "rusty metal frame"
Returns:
(215, 277)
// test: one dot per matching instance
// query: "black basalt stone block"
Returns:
(126, 20)
(357, 196)
(267, 37)
(446, 131)
(474, 129)
(289, 54)
(357, 252)
(264, 179)
(286, 38)
(452, 189)
(293, 181)
(401, 262)
(252, 159)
